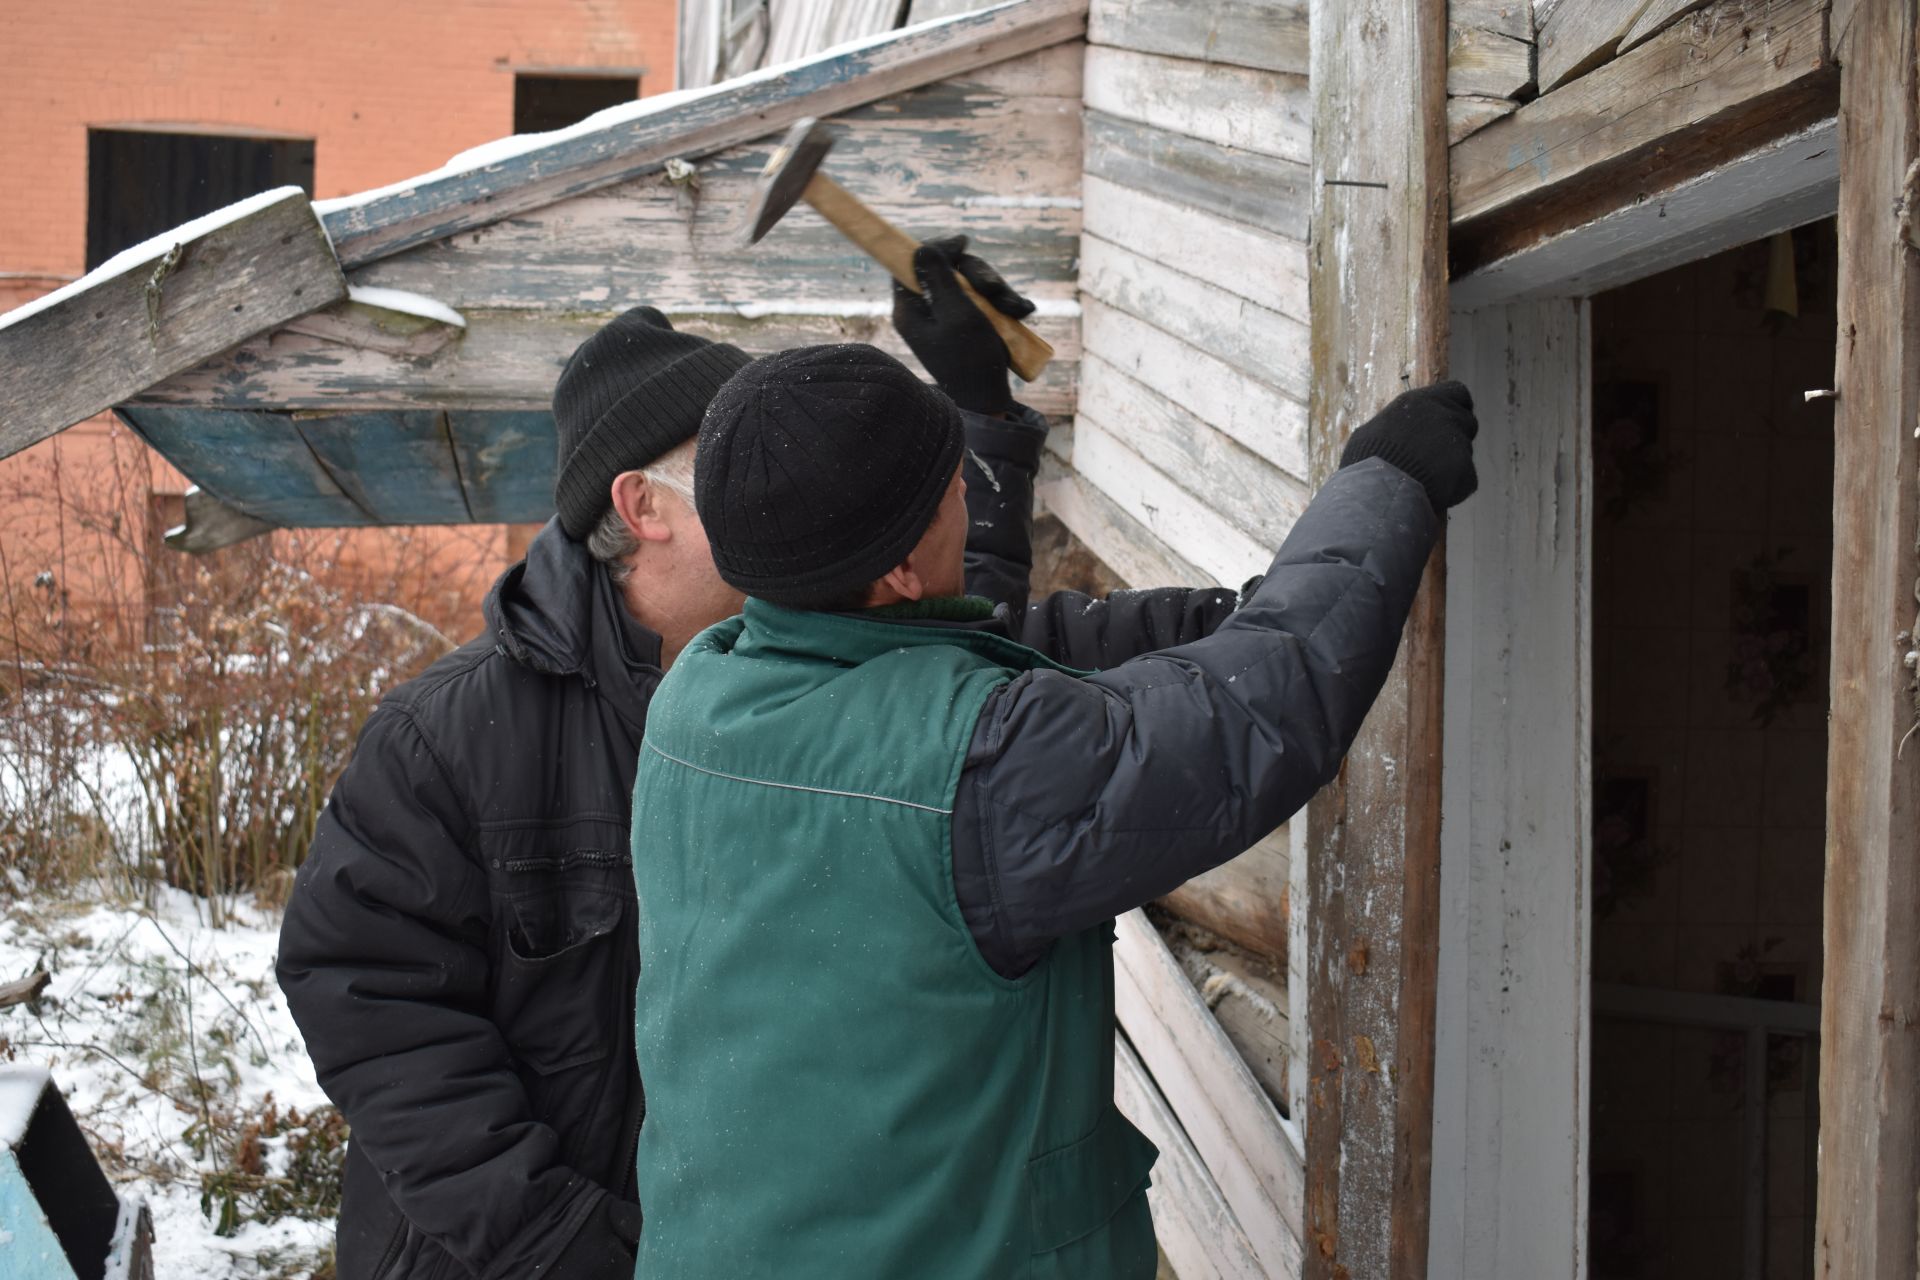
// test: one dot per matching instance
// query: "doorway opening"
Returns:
(1712, 559)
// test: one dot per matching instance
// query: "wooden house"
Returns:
(1397, 1048)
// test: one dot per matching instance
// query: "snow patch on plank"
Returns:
(405, 302)
(148, 251)
(20, 1090)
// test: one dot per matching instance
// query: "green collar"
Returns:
(770, 630)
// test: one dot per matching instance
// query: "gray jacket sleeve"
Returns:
(1083, 798)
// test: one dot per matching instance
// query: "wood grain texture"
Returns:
(1513, 1041)
(1244, 186)
(1467, 116)
(210, 524)
(1748, 63)
(1657, 17)
(1196, 1229)
(1246, 991)
(1264, 112)
(1134, 552)
(1579, 37)
(1372, 838)
(1267, 34)
(1231, 1121)
(1245, 901)
(1257, 265)
(123, 334)
(1258, 341)
(707, 121)
(1487, 63)
(1870, 1002)
(510, 360)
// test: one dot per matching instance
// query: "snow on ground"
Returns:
(143, 1000)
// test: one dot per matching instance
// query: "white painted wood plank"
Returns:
(1259, 498)
(1232, 1123)
(1512, 1039)
(1125, 545)
(1777, 187)
(1197, 1230)
(1261, 111)
(1194, 530)
(1261, 343)
(1258, 416)
(1270, 34)
(1257, 265)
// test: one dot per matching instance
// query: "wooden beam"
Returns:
(1467, 116)
(1268, 34)
(1869, 1169)
(1245, 901)
(1487, 64)
(1233, 1124)
(165, 308)
(1579, 37)
(1657, 17)
(570, 162)
(1373, 837)
(1743, 73)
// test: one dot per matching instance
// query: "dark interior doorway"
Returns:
(1713, 533)
(142, 182)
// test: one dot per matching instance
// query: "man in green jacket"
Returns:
(885, 842)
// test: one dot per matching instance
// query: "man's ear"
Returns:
(904, 580)
(638, 502)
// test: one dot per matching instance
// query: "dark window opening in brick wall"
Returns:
(542, 103)
(142, 182)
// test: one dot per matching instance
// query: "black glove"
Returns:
(953, 339)
(1428, 433)
(605, 1245)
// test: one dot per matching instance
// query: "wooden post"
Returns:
(1378, 279)
(1870, 1003)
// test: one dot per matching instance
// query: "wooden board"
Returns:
(1245, 186)
(1752, 73)
(506, 462)
(1196, 1228)
(1870, 1002)
(1232, 1123)
(957, 156)
(1245, 901)
(1657, 17)
(256, 463)
(1253, 264)
(1512, 1043)
(1190, 526)
(1263, 419)
(1467, 116)
(1512, 18)
(1379, 323)
(167, 313)
(510, 359)
(1264, 112)
(1576, 38)
(437, 206)
(1134, 552)
(1486, 63)
(1259, 342)
(1268, 34)
(1247, 995)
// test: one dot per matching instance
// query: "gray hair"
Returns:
(611, 542)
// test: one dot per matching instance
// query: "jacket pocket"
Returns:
(560, 961)
(1075, 1190)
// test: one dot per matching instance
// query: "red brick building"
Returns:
(121, 119)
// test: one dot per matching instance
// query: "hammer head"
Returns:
(788, 171)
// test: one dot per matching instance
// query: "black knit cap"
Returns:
(629, 394)
(819, 469)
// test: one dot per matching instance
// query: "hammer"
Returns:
(793, 174)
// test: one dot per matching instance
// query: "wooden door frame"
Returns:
(1511, 1115)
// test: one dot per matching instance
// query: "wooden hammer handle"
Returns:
(893, 249)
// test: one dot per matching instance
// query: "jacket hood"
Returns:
(558, 612)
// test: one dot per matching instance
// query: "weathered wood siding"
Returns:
(994, 153)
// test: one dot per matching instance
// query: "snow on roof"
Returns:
(20, 1090)
(148, 250)
(501, 149)
(413, 304)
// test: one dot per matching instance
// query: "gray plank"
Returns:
(1262, 191)
(122, 334)
(709, 121)
(1268, 34)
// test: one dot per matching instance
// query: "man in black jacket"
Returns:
(459, 951)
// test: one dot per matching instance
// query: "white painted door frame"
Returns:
(1511, 1116)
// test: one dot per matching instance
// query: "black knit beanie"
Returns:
(819, 469)
(629, 394)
